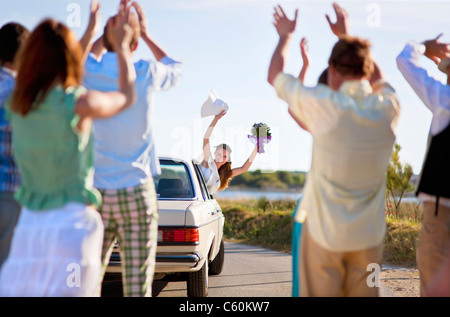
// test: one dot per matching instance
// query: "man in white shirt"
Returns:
(433, 252)
(352, 122)
(125, 159)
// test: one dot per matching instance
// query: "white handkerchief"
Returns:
(213, 105)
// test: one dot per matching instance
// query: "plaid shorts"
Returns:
(130, 215)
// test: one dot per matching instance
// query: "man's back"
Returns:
(354, 132)
(124, 143)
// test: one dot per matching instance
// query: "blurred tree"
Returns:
(397, 180)
(285, 177)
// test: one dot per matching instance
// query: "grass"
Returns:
(259, 222)
(268, 223)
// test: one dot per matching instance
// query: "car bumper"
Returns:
(165, 262)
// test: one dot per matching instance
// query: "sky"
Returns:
(226, 45)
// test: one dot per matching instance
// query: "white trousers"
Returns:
(54, 253)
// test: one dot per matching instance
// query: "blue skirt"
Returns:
(296, 236)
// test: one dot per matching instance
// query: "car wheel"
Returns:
(216, 266)
(197, 282)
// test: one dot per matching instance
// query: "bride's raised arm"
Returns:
(244, 168)
(206, 145)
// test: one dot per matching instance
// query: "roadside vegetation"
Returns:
(259, 222)
(268, 223)
(277, 180)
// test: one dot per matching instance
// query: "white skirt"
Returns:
(55, 253)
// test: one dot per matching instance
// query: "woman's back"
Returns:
(55, 160)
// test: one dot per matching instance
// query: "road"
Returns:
(249, 271)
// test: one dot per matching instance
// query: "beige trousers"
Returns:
(434, 243)
(335, 274)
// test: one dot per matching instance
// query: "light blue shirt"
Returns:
(125, 153)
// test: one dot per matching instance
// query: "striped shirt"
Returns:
(9, 174)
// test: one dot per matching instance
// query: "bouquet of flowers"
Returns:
(260, 135)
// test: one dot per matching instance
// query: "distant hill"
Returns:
(273, 180)
(281, 180)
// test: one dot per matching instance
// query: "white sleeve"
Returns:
(316, 107)
(164, 74)
(433, 93)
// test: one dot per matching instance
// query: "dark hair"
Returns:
(12, 35)
(323, 78)
(52, 52)
(351, 56)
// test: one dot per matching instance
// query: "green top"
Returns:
(55, 160)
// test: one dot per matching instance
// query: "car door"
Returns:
(216, 211)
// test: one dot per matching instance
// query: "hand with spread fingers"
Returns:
(435, 50)
(142, 18)
(282, 23)
(119, 31)
(341, 26)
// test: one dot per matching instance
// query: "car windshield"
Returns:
(174, 181)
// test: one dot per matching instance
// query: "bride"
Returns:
(217, 170)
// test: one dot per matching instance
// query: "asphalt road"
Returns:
(248, 271)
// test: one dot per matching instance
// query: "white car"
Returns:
(190, 227)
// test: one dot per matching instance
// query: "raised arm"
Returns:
(305, 58)
(98, 48)
(341, 26)
(166, 73)
(95, 104)
(206, 144)
(433, 93)
(92, 28)
(157, 51)
(301, 77)
(285, 28)
(244, 168)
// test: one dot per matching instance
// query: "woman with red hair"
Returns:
(56, 248)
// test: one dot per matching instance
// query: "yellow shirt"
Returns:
(353, 132)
